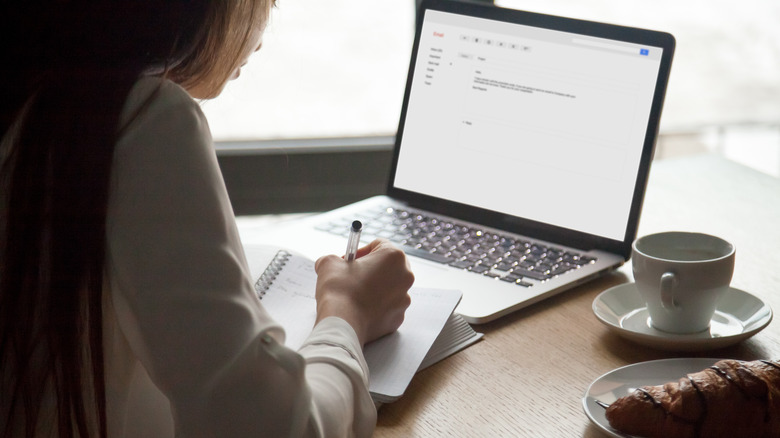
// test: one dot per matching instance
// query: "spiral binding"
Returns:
(271, 272)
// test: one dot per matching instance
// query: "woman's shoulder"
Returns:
(159, 107)
(155, 93)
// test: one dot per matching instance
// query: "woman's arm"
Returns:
(186, 305)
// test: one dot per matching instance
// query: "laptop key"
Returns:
(560, 269)
(462, 264)
(432, 256)
(530, 274)
(516, 279)
(504, 266)
(479, 269)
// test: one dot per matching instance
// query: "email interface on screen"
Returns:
(535, 123)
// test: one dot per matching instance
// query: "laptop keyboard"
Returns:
(485, 253)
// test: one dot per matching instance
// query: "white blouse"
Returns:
(189, 350)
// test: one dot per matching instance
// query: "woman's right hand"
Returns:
(370, 293)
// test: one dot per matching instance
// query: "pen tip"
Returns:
(357, 225)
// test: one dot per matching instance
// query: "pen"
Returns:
(353, 241)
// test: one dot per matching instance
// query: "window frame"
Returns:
(303, 175)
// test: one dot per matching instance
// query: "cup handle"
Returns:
(668, 284)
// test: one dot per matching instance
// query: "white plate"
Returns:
(739, 315)
(623, 381)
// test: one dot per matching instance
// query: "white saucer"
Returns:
(739, 315)
(623, 381)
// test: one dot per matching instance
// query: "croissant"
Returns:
(729, 399)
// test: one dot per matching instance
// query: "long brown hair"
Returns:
(72, 65)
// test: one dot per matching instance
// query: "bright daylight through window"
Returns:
(337, 68)
(333, 68)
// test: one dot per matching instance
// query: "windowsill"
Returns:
(306, 145)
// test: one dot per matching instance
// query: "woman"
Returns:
(126, 306)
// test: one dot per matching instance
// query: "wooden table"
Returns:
(529, 374)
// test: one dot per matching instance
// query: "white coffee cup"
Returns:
(682, 276)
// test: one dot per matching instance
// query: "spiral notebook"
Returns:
(430, 332)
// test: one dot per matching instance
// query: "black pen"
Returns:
(353, 241)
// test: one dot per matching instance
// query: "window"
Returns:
(338, 68)
(332, 68)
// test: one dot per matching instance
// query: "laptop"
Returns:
(521, 157)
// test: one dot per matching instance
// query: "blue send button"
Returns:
(644, 52)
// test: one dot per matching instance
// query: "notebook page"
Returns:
(290, 300)
(394, 359)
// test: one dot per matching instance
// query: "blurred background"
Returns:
(337, 68)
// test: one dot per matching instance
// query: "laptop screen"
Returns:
(532, 122)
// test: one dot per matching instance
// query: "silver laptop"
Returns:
(521, 157)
